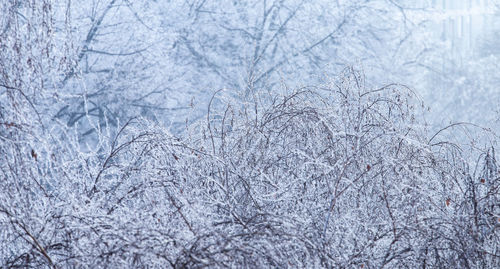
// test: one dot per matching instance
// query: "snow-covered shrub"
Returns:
(338, 175)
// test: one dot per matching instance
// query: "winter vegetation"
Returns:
(247, 134)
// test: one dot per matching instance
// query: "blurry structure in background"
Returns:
(463, 24)
(462, 83)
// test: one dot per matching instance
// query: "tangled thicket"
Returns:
(333, 176)
(340, 175)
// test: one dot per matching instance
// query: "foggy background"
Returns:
(165, 59)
